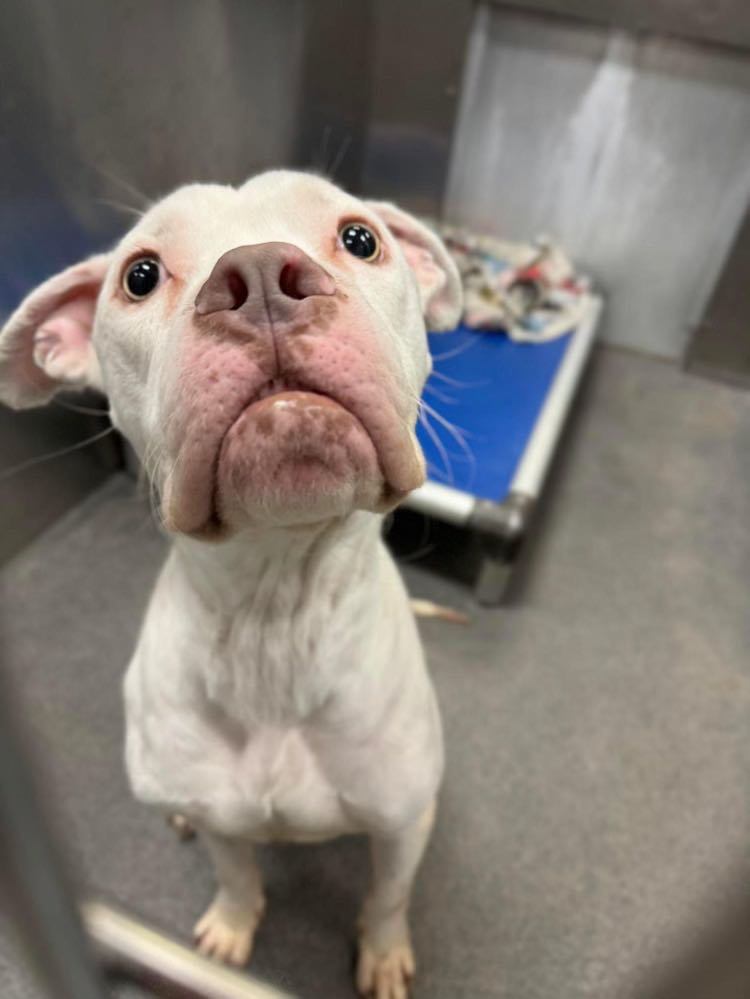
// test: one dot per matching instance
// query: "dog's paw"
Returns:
(385, 976)
(225, 934)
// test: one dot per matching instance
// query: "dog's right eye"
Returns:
(141, 277)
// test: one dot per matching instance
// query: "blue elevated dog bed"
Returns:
(494, 411)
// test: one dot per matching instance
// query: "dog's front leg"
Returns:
(227, 928)
(386, 961)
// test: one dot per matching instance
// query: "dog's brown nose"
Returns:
(265, 282)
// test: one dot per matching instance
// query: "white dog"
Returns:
(263, 348)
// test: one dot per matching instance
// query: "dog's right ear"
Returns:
(433, 267)
(46, 343)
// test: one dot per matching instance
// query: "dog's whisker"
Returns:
(424, 545)
(124, 185)
(455, 351)
(439, 446)
(452, 428)
(339, 158)
(122, 207)
(154, 500)
(22, 466)
(320, 158)
(456, 435)
(456, 382)
(415, 556)
(149, 474)
(75, 408)
(435, 472)
(148, 471)
(447, 399)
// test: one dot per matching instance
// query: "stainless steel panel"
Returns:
(379, 93)
(635, 152)
(418, 55)
(335, 87)
(724, 21)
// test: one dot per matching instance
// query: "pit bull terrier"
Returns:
(263, 348)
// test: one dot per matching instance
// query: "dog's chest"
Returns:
(278, 789)
(272, 668)
(237, 764)
(235, 747)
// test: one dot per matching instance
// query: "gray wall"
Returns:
(634, 151)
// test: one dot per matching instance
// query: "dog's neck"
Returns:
(259, 565)
(273, 606)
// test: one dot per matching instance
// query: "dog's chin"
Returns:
(296, 458)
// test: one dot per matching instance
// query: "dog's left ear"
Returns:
(46, 343)
(436, 273)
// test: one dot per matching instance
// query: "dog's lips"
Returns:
(293, 445)
(273, 399)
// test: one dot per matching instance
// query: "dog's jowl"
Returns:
(264, 350)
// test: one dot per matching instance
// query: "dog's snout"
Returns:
(263, 281)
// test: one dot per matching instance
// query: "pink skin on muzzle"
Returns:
(284, 400)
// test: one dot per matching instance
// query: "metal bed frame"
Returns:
(503, 525)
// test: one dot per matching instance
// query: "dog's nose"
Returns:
(265, 282)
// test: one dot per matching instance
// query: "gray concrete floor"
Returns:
(594, 827)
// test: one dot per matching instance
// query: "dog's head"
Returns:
(263, 348)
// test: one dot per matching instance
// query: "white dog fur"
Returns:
(278, 689)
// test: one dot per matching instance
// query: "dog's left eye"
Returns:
(141, 277)
(359, 241)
